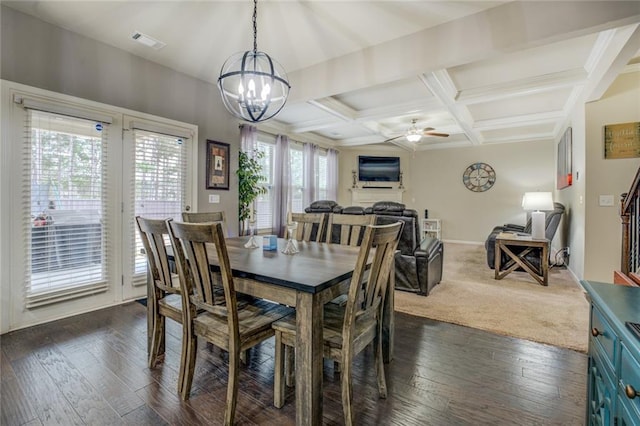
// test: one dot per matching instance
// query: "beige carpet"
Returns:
(515, 306)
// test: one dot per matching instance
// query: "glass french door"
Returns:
(156, 185)
(78, 173)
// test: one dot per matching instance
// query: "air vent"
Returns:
(148, 41)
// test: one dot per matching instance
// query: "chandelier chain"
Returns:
(255, 26)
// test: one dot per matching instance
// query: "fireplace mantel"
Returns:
(366, 196)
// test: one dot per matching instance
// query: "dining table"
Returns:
(317, 274)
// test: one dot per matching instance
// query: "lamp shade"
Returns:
(537, 201)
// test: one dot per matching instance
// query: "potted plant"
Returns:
(249, 187)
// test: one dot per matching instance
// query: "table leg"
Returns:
(544, 264)
(309, 323)
(497, 259)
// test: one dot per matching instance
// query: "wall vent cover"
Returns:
(148, 40)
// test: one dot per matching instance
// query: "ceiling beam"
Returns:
(522, 87)
(484, 35)
(443, 88)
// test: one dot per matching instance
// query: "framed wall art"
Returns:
(622, 140)
(564, 176)
(217, 165)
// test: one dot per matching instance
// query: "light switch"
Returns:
(214, 198)
(606, 200)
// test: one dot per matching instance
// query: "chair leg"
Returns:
(278, 379)
(232, 387)
(347, 393)
(379, 360)
(156, 351)
(290, 368)
(182, 368)
(188, 362)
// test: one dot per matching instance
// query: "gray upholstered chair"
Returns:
(552, 221)
(419, 260)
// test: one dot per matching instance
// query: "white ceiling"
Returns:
(484, 72)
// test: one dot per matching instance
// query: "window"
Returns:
(78, 172)
(264, 205)
(67, 230)
(159, 184)
(297, 177)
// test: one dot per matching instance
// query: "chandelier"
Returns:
(253, 86)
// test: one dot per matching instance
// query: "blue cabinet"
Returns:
(613, 392)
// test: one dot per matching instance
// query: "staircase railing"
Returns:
(630, 216)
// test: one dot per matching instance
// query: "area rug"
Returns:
(515, 306)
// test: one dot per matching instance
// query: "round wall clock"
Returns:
(479, 177)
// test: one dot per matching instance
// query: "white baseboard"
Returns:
(474, 243)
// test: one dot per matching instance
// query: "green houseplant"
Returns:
(249, 185)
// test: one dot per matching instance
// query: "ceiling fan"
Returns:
(414, 134)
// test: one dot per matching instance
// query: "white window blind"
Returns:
(264, 202)
(65, 229)
(159, 185)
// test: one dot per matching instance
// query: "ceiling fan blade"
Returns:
(427, 129)
(442, 135)
(393, 139)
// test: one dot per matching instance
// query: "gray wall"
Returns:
(603, 236)
(38, 54)
(433, 181)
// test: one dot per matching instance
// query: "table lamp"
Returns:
(535, 202)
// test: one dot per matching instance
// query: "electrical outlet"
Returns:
(568, 250)
(606, 200)
(214, 198)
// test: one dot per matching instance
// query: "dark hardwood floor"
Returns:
(91, 370)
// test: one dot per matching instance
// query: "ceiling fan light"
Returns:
(413, 137)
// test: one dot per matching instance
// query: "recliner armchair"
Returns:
(419, 262)
(552, 220)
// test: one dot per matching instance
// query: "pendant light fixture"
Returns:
(253, 86)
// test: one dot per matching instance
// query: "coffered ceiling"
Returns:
(361, 71)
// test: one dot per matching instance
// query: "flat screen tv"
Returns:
(378, 169)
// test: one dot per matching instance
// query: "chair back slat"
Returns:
(350, 228)
(309, 227)
(154, 235)
(367, 291)
(206, 217)
(192, 242)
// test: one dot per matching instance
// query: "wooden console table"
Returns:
(518, 260)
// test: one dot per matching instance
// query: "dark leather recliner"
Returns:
(552, 220)
(419, 262)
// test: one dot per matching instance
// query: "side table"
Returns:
(504, 243)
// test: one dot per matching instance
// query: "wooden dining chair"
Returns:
(192, 217)
(225, 324)
(309, 227)
(164, 299)
(350, 328)
(348, 229)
